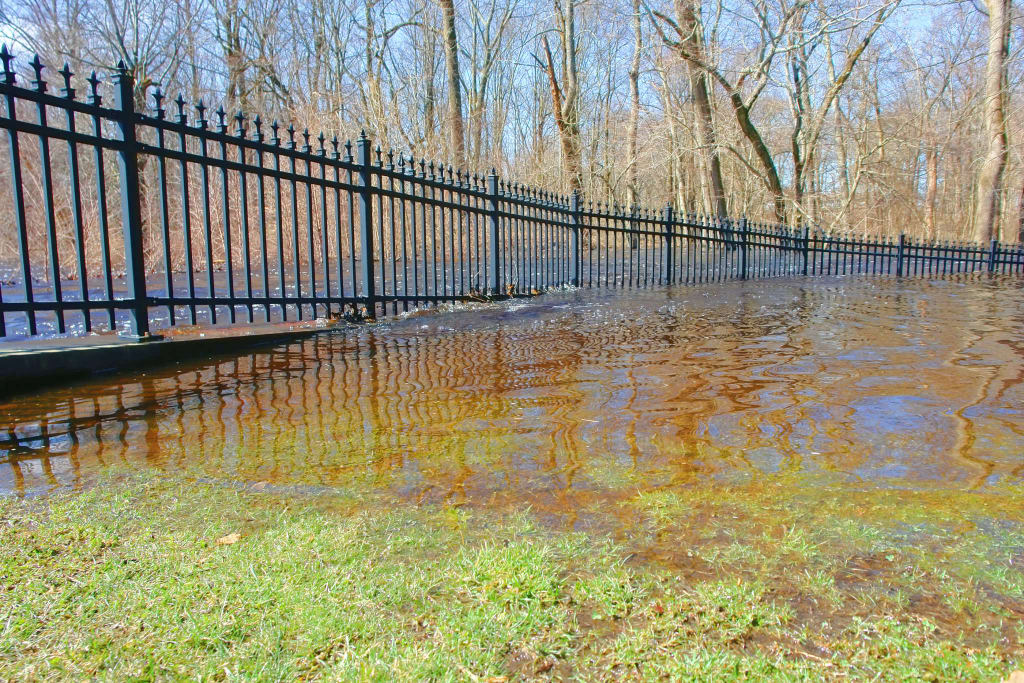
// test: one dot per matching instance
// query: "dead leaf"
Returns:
(230, 539)
(1015, 677)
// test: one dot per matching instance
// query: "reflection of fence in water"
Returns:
(555, 397)
(444, 412)
(183, 215)
(262, 416)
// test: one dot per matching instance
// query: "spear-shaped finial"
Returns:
(158, 98)
(7, 58)
(38, 67)
(66, 73)
(94, 89)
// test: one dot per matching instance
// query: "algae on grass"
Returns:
(126, 580)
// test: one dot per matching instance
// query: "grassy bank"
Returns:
(166, 578)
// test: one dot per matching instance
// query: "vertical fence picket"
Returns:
(45, 172)
(575, 258)
(261, 198)
(243, 214)
(74, 177)
(17, 183)
(493, 235)
(131, 212)
(669, 245)
(366, 225)
(743, 248)
(899, 255)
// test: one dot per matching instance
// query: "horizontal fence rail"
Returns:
(126, 220)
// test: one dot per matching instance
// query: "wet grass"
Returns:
(748, 582)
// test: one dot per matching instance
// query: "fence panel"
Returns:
(133, 217)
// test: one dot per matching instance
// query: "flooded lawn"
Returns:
(848, 451)
(570, 397)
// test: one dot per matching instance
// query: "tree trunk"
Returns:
(634, 106)
(427, 53)
(565, 96)
(1020, 216)
(991, 177)
(931, 157)
(373, 97)
(692, 42)
(451, 60)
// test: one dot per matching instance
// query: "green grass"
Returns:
(126, 581)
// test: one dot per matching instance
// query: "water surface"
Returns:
(575, 397)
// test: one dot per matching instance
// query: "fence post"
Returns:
(993, 250)
(669, 261)
(575, 262)
(366, 223)
(131, 213)
(806, 247)
(743, 248)
(899, 254)
(494, 235)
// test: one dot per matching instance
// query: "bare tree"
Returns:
(634, 105)
(792, 110)
(565, 92)
(451, 60)
(990, 180)
(689, 45)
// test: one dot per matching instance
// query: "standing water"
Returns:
(577, 396)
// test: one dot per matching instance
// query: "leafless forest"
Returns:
(876, 116)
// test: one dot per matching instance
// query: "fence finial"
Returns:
(94, 89)
(158, 98)
(66, 73)
(7, 58)
(38, 67)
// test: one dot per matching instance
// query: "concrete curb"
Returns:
(30, 366)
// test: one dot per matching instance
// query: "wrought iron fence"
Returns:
(132, 220)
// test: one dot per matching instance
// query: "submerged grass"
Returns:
(127, 580)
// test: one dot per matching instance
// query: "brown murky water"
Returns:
(574, 397)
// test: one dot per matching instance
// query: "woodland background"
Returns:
(881, 116)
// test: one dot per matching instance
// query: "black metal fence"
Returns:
(125, 219)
